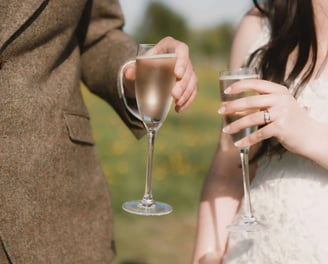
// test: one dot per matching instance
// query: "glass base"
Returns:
(246, 224)
(156, 208)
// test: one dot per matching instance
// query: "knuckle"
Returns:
(169, 39)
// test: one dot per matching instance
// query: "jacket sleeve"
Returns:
(105, 47)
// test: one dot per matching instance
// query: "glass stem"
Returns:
(147, 199)
(246, 182)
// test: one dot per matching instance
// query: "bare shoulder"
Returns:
(249, 29)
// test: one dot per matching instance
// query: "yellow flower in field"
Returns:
(118, 148)
(107, 171)
(160, 174)
(192, 140)
(122, 167)
(160, 145)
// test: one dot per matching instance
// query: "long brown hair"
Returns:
(291, 27)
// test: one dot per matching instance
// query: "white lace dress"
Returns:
(290, 196)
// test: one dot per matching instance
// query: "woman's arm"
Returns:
(223, 190)
(220, 200)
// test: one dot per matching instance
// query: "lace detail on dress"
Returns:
(289, 197)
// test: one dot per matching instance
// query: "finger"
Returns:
(255, 119)
(259, 86)
(256, 137)
(183, 60)
(169, 44)
(180, 108)
(251, 103)
(128, 80)
(181, 85)
(130, 73)
(188, 90)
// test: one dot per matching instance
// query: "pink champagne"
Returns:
(154, 82)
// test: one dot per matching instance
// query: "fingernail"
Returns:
(226, 129)
(227, 90)
(222, 110)
(238, 143)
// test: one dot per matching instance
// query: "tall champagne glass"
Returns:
(246, 222)
(154, 81)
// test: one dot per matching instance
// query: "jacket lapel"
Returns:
(15, 16)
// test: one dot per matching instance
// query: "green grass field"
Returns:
(183, 151)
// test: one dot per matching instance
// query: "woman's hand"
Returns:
(275, 108)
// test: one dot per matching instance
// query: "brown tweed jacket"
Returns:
(54, 201)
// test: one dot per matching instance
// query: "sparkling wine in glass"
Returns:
(246, 222)
(153, 85)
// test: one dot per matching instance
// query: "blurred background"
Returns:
(185, 143)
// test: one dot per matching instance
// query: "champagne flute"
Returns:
(154, 81)
(246, 222)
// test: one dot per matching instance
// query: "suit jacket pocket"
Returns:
(79, 129)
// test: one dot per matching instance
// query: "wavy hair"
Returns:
(292, 28)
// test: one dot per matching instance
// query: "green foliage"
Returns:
(213, 41)
(160, 21)
(225, 33)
